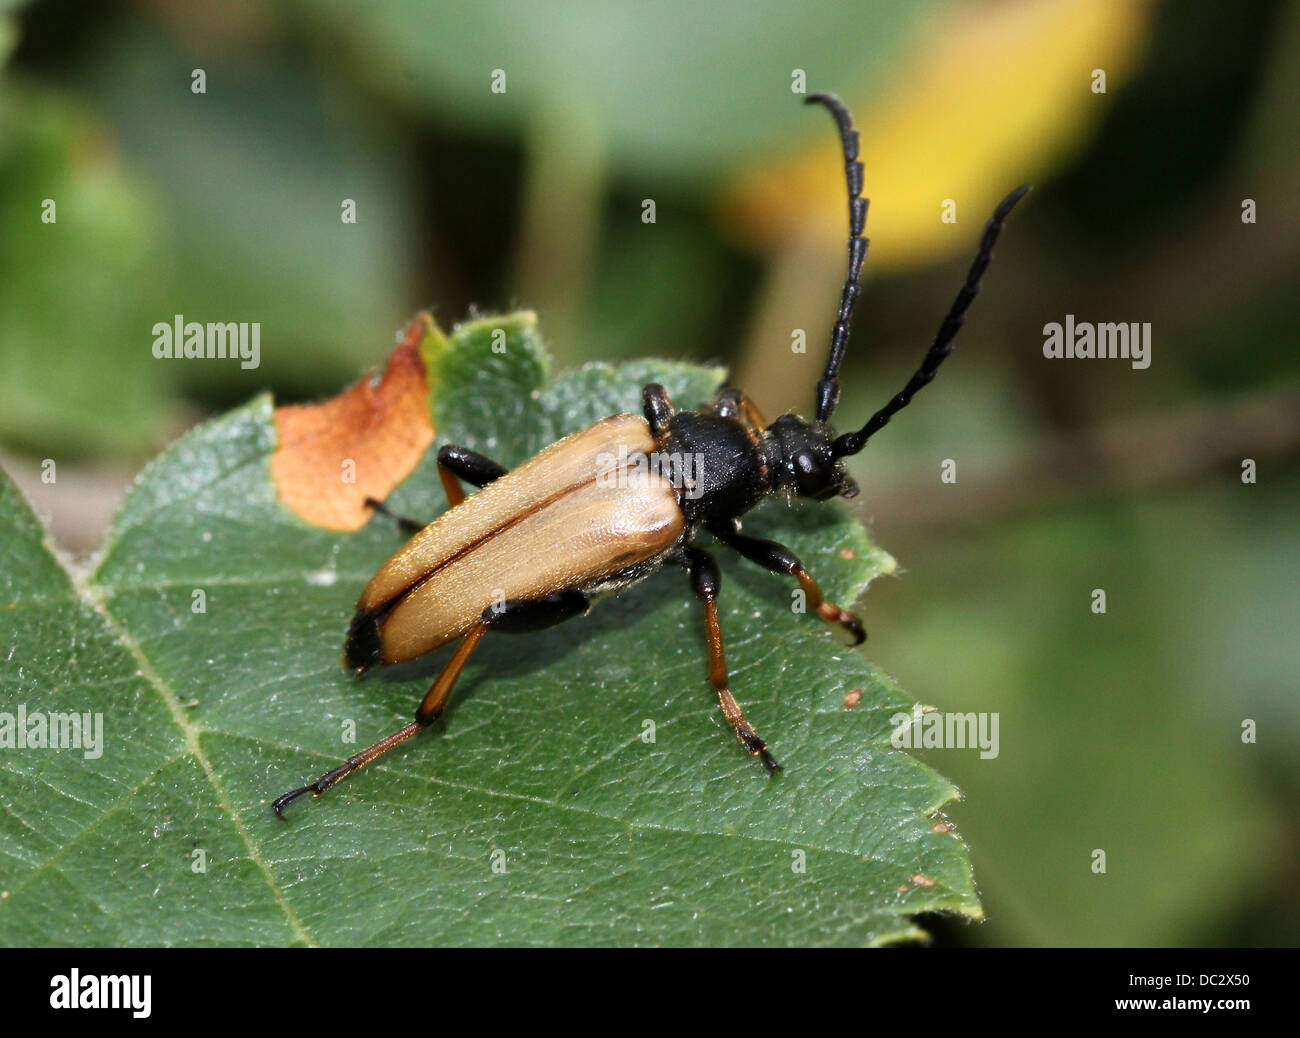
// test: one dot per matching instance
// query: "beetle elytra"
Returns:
(605, 506)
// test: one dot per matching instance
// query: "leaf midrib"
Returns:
(193, 747)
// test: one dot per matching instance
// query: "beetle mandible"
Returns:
(604, 507)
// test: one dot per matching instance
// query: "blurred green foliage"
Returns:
(1121, 731)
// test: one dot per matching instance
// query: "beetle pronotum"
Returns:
(604, 507)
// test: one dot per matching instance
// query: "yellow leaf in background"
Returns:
(996, 94)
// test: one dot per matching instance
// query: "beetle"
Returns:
(606, 506)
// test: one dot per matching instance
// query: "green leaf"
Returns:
(607, 839)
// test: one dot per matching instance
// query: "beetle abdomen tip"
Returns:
(362, 649)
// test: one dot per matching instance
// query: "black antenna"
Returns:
(851, 443)
(828, 389)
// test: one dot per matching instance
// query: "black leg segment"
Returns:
(730, 402)
(657, 407)
(474, 468)
(726, 403)
(524, 615)
(453, 462)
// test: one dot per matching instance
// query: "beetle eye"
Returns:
(810, 474)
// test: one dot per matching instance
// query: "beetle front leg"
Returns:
(780, 559)
(706, 580)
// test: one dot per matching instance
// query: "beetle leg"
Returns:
(780, 559)
(347, 767)
(730, 402)
(429, 710)
(453, 461)
(472, 467)
(658, 408)
(726, 402)
(706, 580)
(403, 523)
(515, 616)
(523, 615)
(440, 691)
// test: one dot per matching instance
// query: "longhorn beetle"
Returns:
(604, 507)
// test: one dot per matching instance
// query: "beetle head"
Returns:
(805, 461)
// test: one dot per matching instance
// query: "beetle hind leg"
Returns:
(514, 616)
(524, 615)
(706, 580)
(435, 699)
(350, 765)
(429, 711)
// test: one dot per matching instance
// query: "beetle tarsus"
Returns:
(281, 801)
(758, 748)
(404, 523)
(853, 626)
(357, 760)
